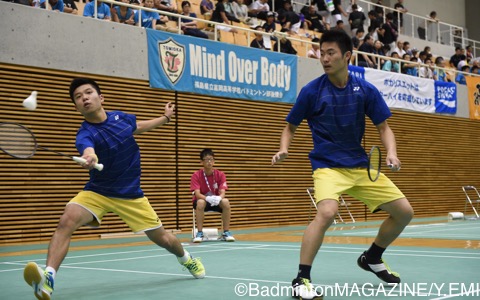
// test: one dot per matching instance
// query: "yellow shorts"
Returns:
(331, 183)
(137, 213)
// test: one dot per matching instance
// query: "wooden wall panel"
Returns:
(438, 155)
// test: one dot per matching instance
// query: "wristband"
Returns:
(168, 119)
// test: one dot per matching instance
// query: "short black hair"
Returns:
(185, 3)
(76, 82)
(206, 152)
(341, 38)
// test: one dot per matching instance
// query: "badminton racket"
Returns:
(375, 164)
(18, 141)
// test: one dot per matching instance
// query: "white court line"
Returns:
(420, 232)
(236, 279)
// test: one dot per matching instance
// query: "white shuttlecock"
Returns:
(31, 102)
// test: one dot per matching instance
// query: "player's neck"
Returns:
(339, 79)
(208, 172)
(98, 116)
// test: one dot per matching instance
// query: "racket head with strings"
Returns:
(374, 163)
(17, 140)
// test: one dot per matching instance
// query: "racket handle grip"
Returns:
(82, 161)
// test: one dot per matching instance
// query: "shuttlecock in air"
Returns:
(31, 102)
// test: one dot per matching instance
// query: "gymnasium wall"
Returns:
(438, 152)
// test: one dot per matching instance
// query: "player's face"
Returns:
(332, 59)
(87, 99)
(208, 162)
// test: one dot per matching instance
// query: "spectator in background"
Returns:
(375, 24)
(460, 78)
(219, 15)
(356, 19)
(469, 53)
(70, 7)
(314, 20)
(399, 49)
(398, 16)
(364, 60)
(149, 19)
(340, 26)
(432, 28)
(392, 65)
(475, 70)
(240, 11)
(123, 14)
(440, 74)
(378, 49)
(458, 56)
(269, 26)
(390, 33)
(380, 11)
(57, 5)
(350, 7)
(103, 10)
(166, 5)
(338, 11)
(406, 48)
(408, 68)
(258, 40)
(285, 46)
(357, 40)
(259, 9)
(422, 56)
(288, 18)
(188, 26)
(315, 51)
(427, 71)
(323, 11)
(206, 8)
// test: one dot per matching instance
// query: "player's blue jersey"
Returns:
(336, 117)
(118, 151)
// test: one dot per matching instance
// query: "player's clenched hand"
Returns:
(279, 157)
(169, 109)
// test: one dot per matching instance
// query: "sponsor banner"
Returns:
(445, 97)
(189, 64)
(413, 93)
(473, 85)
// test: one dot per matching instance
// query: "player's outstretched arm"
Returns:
(388, 140)
(143, 126)
(287, 136)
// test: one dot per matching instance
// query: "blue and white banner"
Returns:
(412, 93)
(189, 64)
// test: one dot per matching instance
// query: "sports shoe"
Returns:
(302, 289)
(199, 237)
(227, 236)
(380, 268)
(195, 267)
(41, 281)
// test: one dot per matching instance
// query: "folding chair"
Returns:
(476, 199)
(311, 193)
(210, 234)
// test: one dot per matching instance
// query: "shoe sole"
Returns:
(33, 278)
(314, 298)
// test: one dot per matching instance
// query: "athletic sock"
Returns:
(186, 256)
(51, 271)
(374, 254)
(304, 271)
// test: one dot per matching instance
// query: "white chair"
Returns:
(311, 193)
(210, 234)
(470, 190)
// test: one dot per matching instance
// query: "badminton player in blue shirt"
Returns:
(107, 137)
(335, 105)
